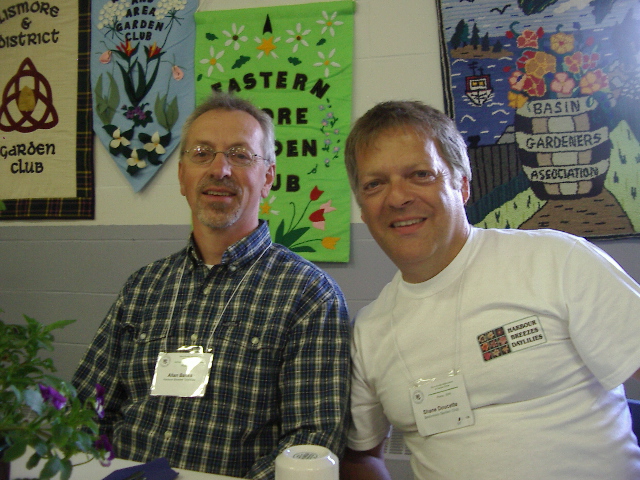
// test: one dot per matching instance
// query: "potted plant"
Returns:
(41, 411)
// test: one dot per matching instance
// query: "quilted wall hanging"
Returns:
(295, 62)
(547, 96)
(46, 154)
(142, 80)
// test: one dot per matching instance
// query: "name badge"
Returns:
(441, 404)
(182, 373)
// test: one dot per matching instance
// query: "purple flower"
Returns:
(100, 401)
(53, 396)
(103, 443)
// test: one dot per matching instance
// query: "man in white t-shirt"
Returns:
(497, 353)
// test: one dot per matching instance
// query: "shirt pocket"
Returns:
(252, 353)
(140, 345)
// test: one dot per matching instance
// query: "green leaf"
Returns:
(144, 137)
(128, 87)
(17, 393)
(41, 449)
(294, 61)
(65, 469)
(58, 324)
(152, 80)
(173, 112)
(106, 106)
(140, 90)
(210, 36)
(114, 93)
(165, 139)
(242, 59)
(110, 129)
(128, 134)
(159, 109)
(33, 399)
(33, 461)
(294, 235)
(303, 248)
(61, 434)
(15, 450)
(97, 93)
(84, 441)
(279, 233)
(50, 468)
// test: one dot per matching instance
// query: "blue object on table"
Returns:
(634, 408)
(158, 469)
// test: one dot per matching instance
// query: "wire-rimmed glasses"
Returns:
(204, 155)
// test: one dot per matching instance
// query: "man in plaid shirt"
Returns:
(261, 335)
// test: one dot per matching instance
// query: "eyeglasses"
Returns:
(238, 156)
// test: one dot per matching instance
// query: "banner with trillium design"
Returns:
(295, 62)
(142, 80)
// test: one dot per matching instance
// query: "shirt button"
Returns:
(167, 435)
(255, 340)
(142, 336)
(232, 268)
(194, 337)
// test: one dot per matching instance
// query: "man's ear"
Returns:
(465, 189)
(269, 178)
(180, 169)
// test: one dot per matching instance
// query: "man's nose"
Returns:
(220, 166)
(399, 194)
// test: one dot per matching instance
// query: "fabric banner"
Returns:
(295, 62)
(142, 80)
(547, 95)
(46, 163)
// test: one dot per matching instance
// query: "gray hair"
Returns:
(426, 121)
(225, 101)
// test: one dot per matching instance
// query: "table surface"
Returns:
(94, 471)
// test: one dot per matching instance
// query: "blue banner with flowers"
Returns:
(547, 95)
(295, 62)
(142, 80)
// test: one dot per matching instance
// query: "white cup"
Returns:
(307, 462)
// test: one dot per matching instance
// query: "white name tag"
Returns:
(181, 374)
(441, 404)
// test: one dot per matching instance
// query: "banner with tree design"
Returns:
(295, 62)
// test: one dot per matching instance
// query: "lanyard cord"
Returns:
(165, 333)
(457, 319)
(233, 294)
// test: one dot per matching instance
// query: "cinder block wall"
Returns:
(67, 272)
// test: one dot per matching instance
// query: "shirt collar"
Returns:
(242, 252)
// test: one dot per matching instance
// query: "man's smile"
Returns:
(407, 223)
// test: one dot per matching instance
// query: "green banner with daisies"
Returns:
(295, 62)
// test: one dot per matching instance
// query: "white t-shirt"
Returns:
(543, 326)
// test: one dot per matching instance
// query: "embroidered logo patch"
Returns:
(512, 337)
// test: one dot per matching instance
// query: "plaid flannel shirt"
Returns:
(280, 373)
